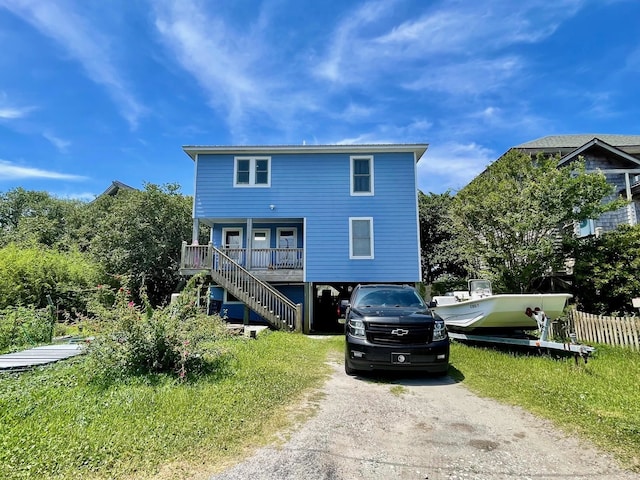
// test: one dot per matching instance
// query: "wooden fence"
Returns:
(616, 331)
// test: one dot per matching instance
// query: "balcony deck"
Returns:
(268, 264)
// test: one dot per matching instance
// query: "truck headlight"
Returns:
(439, 331)
(356, 328)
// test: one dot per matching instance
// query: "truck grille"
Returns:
(381, 333)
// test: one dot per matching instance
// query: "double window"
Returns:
(360, 237)
(252, 172)
(362, 175)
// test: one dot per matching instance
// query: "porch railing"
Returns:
(195, 257)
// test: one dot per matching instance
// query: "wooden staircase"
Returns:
(280, 312)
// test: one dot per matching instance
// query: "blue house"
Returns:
(292, 229)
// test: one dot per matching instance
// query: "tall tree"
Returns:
(31, 217)
(139, 234)
(439, 244)
(512, 217)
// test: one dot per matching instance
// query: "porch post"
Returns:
(195, 231)
(631, 211)
(247, 260)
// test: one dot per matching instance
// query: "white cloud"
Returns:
(347, 45)
(61, 144)
(83, 196)
(451, 166)
(227, 64)
(460, 37)
(469, 78)
(84, 43)
(415, 131)
(11, 171)
(11, 112)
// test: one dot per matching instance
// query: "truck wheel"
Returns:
(347, 369)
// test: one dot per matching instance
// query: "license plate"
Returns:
(400, 358)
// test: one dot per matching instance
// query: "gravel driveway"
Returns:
(421, 428)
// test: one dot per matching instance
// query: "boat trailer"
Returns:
(542, 343)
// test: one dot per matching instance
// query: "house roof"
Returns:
(567, 143)
(417, 148)
(115, 187)
(600, 144)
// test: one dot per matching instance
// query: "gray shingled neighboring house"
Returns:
(617, 156)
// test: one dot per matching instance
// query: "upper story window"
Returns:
(362, 175)
(252, 172)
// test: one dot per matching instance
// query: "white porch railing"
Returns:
(196, 257)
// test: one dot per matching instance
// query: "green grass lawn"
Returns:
(55, 423)
(599, 400)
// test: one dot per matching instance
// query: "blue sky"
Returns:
(94, 91)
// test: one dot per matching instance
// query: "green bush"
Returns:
(20, 326)
(607, 271)
(29, 274)
(176, 339)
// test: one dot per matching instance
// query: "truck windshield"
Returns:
(389, 298)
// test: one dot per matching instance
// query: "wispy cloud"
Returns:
(9, 111)
(225, 63)
(452, 165)
(462, 40)
(83, 42)
(348, 42)
(415, 131)
(83, 196)
(12, 171)
(469, 78)
(61, 144)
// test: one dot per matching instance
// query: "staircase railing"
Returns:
(259, 296)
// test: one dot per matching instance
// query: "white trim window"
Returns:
(362, 175)
(252, 172)
(360, 237)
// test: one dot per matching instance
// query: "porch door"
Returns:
(261, 248)
(232, 244)
(287, 240)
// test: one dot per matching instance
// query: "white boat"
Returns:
(478, 308)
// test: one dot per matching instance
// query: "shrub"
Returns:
(607, 271)
(29, 274)
(20, 326)
(177, 338)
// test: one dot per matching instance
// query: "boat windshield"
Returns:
(479, 288)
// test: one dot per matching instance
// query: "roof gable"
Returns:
(596, 143)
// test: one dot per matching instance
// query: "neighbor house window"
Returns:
(252, 172)
(586, 228)
(361, 237)
(362, 175)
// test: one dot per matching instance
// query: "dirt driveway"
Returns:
(421, 428)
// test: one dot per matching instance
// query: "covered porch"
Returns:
(270, 249)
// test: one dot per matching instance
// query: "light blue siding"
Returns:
(316, 187)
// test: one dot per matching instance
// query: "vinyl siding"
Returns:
(317, 187)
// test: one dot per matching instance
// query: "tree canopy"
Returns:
(440, 251)
(511, 219)
(136, 234)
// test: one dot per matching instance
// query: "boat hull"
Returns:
(506, 312)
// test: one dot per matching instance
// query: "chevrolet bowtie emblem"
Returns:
(399, 332)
